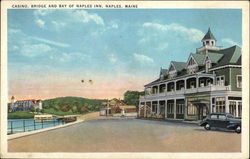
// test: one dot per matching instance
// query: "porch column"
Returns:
(145, 108)
(174, 108)
(185, 108)
(185, 84)
(174, 85)
(197, 81)
(226, 104)
(237, 111)
(166, 108)
(151, 106)
(158, 107)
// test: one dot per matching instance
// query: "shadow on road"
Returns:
(216, 130)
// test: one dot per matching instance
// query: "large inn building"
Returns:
(210, 81)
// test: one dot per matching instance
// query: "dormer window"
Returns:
(171, 68)
(191, 62)
(172, 71)
(192, 66)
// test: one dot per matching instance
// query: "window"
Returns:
(191, 62)
(207, 42)
(213, 104)
(179, 108)
(220, 104)
(170, 108)
(220, 81)
(192, 110)
(239, 81)
(232, 107)
(213, 117)
(212, 43)
(239, 109)
(208, 65)
(162, 109)
(154, 108)
(222, 117)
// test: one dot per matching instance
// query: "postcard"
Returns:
(124, 79)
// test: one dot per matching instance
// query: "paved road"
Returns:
(128, 135)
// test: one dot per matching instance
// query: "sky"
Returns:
(51, 51)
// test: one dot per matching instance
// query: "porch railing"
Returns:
(186, 91)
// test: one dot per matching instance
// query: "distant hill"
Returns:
(71, 105)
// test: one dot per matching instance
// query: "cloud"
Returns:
(40, 23)
(229, 41)
(15, 31)
(43, 12)
(32, 50)
(192, 34)
(68, 56)
(86, 17)
(142, 58)
(112, 58)
(61, 18)
(162, 46)
(115, 26)
(51, 42)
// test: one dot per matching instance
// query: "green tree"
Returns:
(132, 97)
(74, 109)
(32, 109)
(65, 108)
(84, 110)
(42, 111)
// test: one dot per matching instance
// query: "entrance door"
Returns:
(202, 111)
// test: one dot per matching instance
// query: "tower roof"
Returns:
(208, 35)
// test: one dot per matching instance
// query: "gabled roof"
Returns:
(179, 65)
(230, 55)
(214, 57)
(163, 71)
(155, 81)
(208, 35)
(198, 58)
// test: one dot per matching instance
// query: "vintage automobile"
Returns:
(221, 120)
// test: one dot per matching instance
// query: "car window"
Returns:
(222, 117)
(213, 116)
(230, 116)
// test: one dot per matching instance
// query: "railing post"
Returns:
(24, 125)
(42, 123)
(34, 125)
(11, 127)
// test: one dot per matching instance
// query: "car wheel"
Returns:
(207, 127)
(238, 129)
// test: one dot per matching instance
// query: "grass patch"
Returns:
(20, 115)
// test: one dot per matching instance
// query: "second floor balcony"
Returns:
(191, 84)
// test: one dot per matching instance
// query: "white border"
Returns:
(244, 5)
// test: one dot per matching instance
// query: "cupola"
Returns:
(209, 39)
